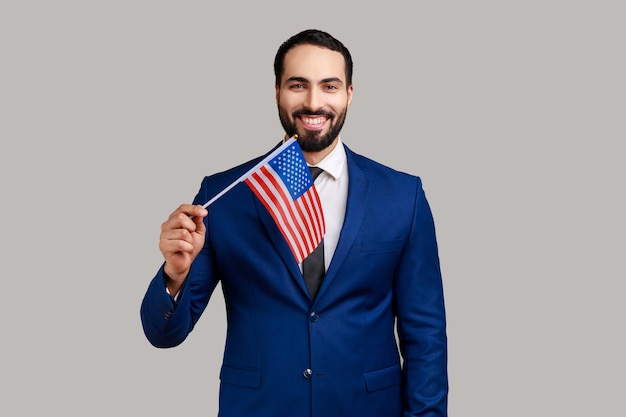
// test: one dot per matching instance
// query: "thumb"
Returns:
(198, 219)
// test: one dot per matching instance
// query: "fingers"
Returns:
(188, 210)
(184, 220)
(191, 210)
(182, 237)
(176, 240)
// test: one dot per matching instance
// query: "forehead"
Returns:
(314, 63)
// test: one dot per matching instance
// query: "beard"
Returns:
(312, 141)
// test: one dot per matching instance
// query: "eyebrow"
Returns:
(324, 81)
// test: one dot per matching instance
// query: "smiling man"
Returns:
(362, 335)
(313, 93)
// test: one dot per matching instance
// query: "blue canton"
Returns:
(291, 166)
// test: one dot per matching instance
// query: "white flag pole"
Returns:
(251, 170)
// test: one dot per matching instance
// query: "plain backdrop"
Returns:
(512, 112)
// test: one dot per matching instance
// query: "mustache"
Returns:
(304, 112)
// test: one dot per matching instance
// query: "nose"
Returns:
(313, 100)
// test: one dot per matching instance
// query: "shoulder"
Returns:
(374, 171)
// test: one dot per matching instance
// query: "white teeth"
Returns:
(313, 121)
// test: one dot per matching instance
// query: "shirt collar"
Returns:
(334, 162)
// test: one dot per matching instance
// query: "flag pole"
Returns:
(251, 170)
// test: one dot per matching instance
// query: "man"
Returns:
(292, 350)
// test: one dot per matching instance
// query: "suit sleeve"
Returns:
(166, 322)
(421, 318)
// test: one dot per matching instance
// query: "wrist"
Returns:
(173, 282)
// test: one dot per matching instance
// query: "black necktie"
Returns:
(313, 267)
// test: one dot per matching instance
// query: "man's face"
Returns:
(312, 97)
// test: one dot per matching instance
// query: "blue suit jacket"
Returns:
(336, 356)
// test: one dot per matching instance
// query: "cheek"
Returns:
(287, 100)
(339, 102)
(340, 107)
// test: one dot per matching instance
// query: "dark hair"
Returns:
(312, 37)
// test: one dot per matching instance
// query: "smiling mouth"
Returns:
(313, 122)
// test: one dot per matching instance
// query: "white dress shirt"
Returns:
(332, 188)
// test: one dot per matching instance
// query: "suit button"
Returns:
(307, 373)
(314, 316)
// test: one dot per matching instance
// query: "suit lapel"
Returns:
(280, 244)
(358, 188)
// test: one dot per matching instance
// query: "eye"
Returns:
(331, 87)
(297, 86)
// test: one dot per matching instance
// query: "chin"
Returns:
(315, 143)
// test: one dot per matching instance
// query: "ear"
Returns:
(277, 92)
(350, 89)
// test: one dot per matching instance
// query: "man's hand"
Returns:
(181, 239)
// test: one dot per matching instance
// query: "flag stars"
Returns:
(292, 168)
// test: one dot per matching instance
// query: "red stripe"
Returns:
(303, 231)
(295, 249)
(312, 220)
(276, 195)
(290, 216)
(307, 220)
(299, 205)
(317, 207)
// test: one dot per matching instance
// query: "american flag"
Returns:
(283, 183)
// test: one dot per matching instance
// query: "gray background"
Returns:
(511, 112)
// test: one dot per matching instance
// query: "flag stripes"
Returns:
(283, 183)
(301, 222)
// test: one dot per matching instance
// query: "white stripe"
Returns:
(294, 238)
(311, 222)
(316, 221)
